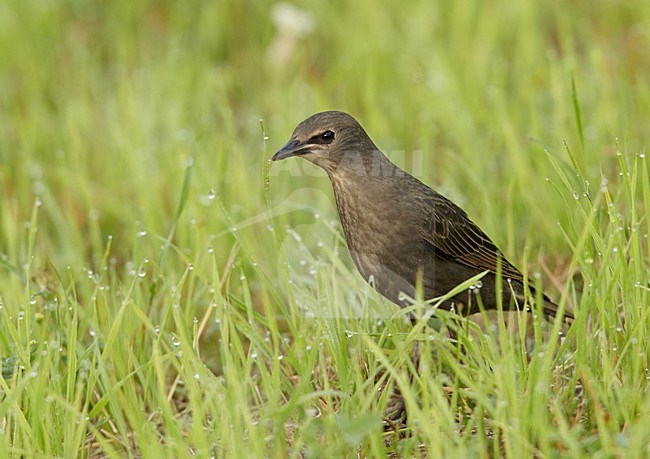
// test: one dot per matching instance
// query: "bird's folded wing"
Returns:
(454, 236)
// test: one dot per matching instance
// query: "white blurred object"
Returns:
(292, 24)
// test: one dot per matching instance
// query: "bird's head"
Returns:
(331, 140)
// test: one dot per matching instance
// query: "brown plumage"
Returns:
(397, 228)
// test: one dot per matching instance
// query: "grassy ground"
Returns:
(164, 293)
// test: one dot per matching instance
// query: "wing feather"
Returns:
(454, 236)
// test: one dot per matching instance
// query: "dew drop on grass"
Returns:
(211, 194)
(190, 267)
(349, 333)
(197, 376)
(254, 355)
(316, 215)
(576, 195)
(156, 329)
(141, 233)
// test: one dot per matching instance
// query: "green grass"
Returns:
(164, 292)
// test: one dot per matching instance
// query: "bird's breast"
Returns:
(374, 226)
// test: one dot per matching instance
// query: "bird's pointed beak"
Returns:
(292, 148)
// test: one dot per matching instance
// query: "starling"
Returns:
(399, 231)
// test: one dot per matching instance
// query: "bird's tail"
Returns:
(551, 311)
(549, 308)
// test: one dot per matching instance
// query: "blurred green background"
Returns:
(104, 102)
(134, 146)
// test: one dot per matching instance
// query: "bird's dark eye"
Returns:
(327, 136)
(323, 138)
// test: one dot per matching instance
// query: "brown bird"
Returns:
(399, 230)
